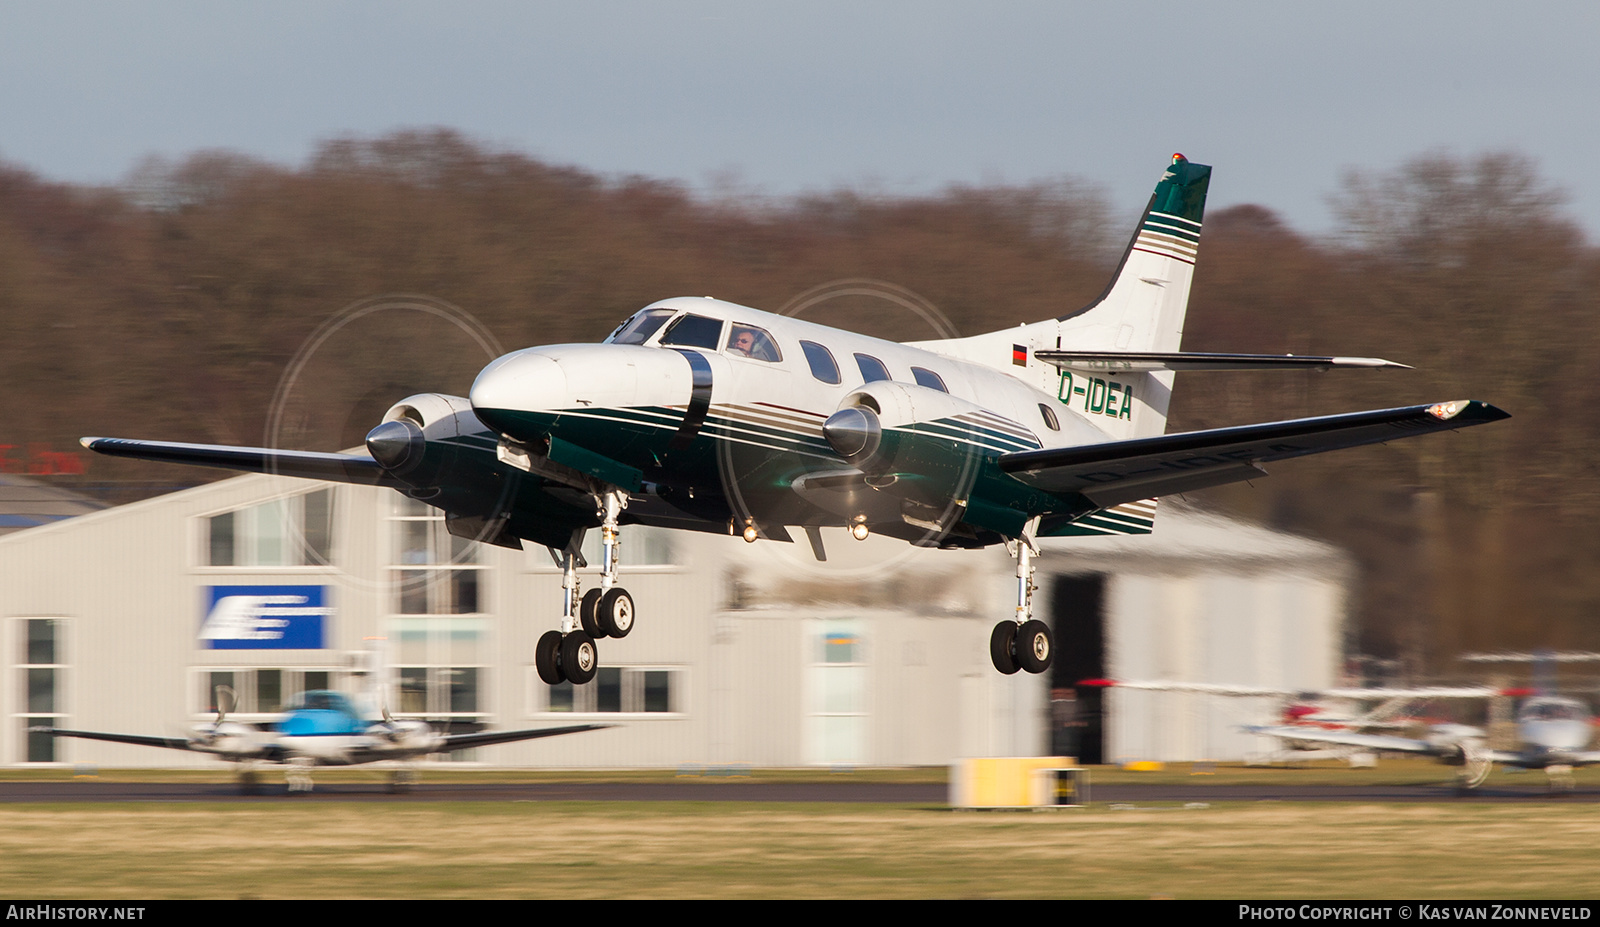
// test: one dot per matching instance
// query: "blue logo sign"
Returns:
(264, 618)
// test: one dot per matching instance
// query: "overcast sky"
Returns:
(898, 97)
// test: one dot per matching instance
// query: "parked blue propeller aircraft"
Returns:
(705, 415)
(321, 728)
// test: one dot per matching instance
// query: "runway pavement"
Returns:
(932, 795)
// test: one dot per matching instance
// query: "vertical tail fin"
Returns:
(1142, 309)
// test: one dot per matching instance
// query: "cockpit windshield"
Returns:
(638, 329)
(322, 700)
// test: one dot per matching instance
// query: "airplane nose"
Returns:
(520, 382)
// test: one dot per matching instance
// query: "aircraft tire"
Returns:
(615, 612)
(1001, 641)
(1034, 646)
(588, 609)
(580, 659)
(547, 658)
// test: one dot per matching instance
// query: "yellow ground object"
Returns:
(1144, 766)
(1015, 782)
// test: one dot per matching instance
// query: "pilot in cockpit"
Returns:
(749, 341)
(743, 342)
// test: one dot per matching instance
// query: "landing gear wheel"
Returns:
(1034, 647)
(587, 610)
(547, 658)
(1001, 641)
(580, 660)
(614, 614)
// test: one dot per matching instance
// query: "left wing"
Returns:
(1115, 472)
(489, 738)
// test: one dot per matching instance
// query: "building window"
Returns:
(437, 628)
(616, 690)
(42, 673)
(839, 718)
(293, 531)
(266, 690)
(642, 546)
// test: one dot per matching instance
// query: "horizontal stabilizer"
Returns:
(316, 465)
(1150, 361)
(489, 738)
(1120, 471)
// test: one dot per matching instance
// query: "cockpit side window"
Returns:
(694, 331)
(750, 341)
(823, 366)
(871, 368)
(638, 329)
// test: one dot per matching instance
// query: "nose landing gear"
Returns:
(570, 654)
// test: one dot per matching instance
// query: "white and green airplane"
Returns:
(705, 415)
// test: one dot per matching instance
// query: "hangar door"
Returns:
(1077, 713)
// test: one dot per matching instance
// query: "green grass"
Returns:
(756, 850)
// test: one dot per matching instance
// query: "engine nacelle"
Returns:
(226, 737)
(422, 443)
(920, 444)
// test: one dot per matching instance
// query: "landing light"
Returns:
(750, 534)
(1444, 411)
(859, 531)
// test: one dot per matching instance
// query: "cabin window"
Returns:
(821, 360)
(750, 341)
(1049, 416)
(638, 329)
(872, 369)
(929, 379)
(694, 331)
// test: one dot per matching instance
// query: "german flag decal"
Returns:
(1019, 355)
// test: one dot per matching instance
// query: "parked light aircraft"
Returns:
(321, 728)
(1553, 733)
(701, 414)
(1309, 712)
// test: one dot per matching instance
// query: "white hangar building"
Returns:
(742, 653)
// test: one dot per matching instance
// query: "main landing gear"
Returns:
(1023, 642)
(570, 655)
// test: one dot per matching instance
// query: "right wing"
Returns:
(1113, 472)
(171, 743)
(316, 465)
